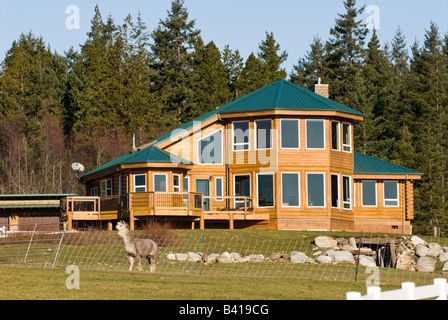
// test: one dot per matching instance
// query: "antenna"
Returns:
(77, 168)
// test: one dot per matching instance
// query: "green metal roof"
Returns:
(150, 154)
(365, 164)
(284, 95)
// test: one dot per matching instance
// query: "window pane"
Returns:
(160, 182)
(335, 135)
(265, 190)
(315, 186)
(218, 187)
(315, 134)
(346, 137)
(210, 148)
(290, 133)
(290, 189)
(263, 134)
(369, 193)
(241, 188)
(241, 135)
(140, 183)
(390, 193)
(335, 191)
(346, 192)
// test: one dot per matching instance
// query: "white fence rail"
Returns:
(408, 291)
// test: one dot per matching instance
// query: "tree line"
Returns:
(84, 106)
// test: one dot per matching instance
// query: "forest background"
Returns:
(85, 105)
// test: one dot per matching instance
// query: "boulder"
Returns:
(367, 261)
(181, 256)
(222, 259)
(443, 256)
(298, 257)
(426, 264)
(417, 240)
(324, 259)
(325, 242)
(434, 249)
(404, 262)
(256, 257)
(340, 256)
(421, 250)
(211, 258)
(171, 256)
(445, 266)
(194, 257)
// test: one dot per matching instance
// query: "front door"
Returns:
(202, 186)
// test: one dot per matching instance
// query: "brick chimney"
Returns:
(320, 89)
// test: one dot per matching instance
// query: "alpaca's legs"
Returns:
(131, 262)
(139, 263)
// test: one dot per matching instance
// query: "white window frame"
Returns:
(298, 133)
(324, 187)
(273, 189)
(199, 149)
(222, 189)
(154, 181)
(233, 137)
(349, 145)
(298, 189)
(140, 186)
(106, 189)
(350, 193)
(338, 130)
(178, 181)
(235, 201)
(256, 135)
(398, 195)
(306, 133)
(331, 192)
(185, 196)
(376, 194)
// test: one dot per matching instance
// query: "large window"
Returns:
(160, 182)
(390, 193)
(346, 186)
(263, 133)
(241, 187)
(210, 149)
(315, 134)
(315, 189)
(335, 191)
(290, 190)
(241, 135)
(140, 183)
(290, 133)
(346, 137)
(265, 194)
(368, 190)
(335, 135)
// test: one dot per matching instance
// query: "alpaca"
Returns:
(137, 248)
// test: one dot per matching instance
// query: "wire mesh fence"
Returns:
(299, 257)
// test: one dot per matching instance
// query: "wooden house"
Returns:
(281, 157)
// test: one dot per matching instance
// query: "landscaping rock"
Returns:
(443, 256)
(171, 256)
(404, 262)
(417, 240)
(298, 257)
(324, 259)
(194, 257)
(367, 261)
(426, 264)
(340, 256)
(325, 242)
(256, 257)
(445, 266)
(181, 256)
(421, 250)
(211, 258)
(434, 249)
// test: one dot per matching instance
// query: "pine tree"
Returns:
(233, 63)
(172, 53)
(272, 59)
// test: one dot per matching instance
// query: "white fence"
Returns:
(408, 291)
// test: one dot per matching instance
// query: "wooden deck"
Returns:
(132, 206)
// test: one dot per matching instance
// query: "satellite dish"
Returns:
(77, 167)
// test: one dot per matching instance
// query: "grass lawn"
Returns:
(174, 281)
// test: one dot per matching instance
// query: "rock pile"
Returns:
(410, 253)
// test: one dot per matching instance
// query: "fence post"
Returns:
(374, 293)
(353, 295)
(441, 283)
(409, 290)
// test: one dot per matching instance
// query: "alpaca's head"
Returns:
(122, 227)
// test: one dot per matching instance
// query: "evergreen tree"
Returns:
(272, 59)
(233, 63)
(172, 56)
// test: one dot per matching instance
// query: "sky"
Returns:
(242, 24)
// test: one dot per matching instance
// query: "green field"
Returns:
(103, 271)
